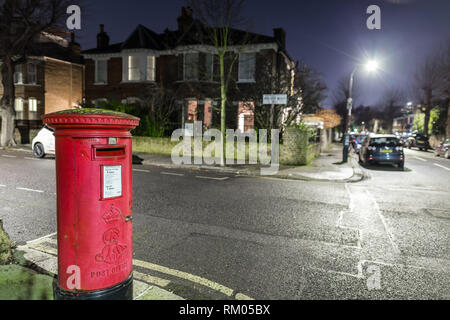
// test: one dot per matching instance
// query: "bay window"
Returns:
(101, 71)
(191, 66)
(247, 64)
(32, 74)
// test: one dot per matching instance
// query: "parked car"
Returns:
(382, 149)
(443, 150)
(44, 143)
(418, 141)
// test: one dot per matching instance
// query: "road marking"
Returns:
(34, 159)
(140, 170)
(211, 178)
(2, 186)
(187, 276)
(173, 174)
(420, 159)
(150, 279)
(383, 220)
(438, 165)
(30, 190)
(6, 156)
(240, 296)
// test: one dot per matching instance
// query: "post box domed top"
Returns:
(90, 117)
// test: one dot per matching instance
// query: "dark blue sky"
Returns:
(329, 35)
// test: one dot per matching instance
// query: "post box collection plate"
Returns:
(94, 202)
(112, 182)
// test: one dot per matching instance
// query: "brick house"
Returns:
(50, 79)
(178, 61)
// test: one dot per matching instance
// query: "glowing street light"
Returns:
(372, 66)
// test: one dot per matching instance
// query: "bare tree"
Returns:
(218, 22)
(21, 21)
(432, 80)
(391, 104)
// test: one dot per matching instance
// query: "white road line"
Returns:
(420, 159)
(6, 156)
(30, 190)
(140, 170)
(34, 159)
(438, 165)
(2, 186)
(211, 178)
(173, 174)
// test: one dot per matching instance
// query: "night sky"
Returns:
(329, 35)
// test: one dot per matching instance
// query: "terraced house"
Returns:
(183, 62)
(50, 79)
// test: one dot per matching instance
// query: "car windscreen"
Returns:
(384, 142)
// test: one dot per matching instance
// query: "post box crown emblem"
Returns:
(88, 116)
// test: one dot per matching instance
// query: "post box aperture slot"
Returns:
(108, 152)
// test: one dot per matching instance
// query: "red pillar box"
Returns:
(94, 199)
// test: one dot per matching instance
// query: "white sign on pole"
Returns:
(112, 182)
(275, 99)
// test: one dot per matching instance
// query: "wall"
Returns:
(63, 85)
(296, 150)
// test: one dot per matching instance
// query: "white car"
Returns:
(44, 143)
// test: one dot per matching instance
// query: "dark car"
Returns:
(443, 150)
(382, 149)
(418, 141)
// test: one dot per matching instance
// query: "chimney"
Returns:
(280, 36)
(102, 38)
(74, 46)
(185, 20)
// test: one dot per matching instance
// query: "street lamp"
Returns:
(371, 66)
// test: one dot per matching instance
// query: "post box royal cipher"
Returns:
(94, 202)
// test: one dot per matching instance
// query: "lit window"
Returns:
(32, 74)
(32, 109)
(101, 71)
(151, 68)
(18, 75)
(134, 68)
(18, 107)
(191, 66)
(247, 63)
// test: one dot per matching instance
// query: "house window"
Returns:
(101, 71)
(191, 66)
(247, 63)
(151, 68)
(32, 74)
(18, 74)
(32, 109)
(134, 68)
(18, 107)
(209, 67)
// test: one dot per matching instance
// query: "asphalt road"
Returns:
(385, 237)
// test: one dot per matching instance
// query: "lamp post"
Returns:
(371, 66)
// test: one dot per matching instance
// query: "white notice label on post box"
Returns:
(112, 182)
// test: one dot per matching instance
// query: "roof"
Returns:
(144, 38)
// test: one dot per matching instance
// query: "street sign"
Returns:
(275, 99)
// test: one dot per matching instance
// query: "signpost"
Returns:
(275, 99)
